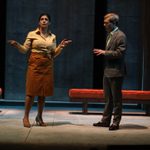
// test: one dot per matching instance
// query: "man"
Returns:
(114, 71)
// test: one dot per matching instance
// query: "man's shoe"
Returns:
(101, 124)
(114, 127)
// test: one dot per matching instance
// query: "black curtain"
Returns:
(99, 42)
(2, 43)
(145, 33)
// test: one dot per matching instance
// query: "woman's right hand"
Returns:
(13, 43)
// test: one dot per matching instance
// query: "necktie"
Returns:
(108, 39)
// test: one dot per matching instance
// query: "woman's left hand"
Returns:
(64, 43)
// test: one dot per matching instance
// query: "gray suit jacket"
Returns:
(114, 56)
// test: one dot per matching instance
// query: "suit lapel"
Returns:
(113, 38)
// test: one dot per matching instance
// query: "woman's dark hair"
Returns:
(45, 14)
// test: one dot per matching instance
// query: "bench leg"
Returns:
(147, 109)
(85, 108)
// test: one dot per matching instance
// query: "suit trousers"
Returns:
(113, 96)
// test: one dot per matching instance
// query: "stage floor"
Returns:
(68, 129)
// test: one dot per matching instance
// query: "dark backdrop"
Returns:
(82, 22)
(70, 19)
(145, 32)
(2, 45)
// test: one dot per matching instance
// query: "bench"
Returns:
(97, 95)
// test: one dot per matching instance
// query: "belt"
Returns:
(43, 54)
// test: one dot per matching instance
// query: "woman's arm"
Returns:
(62, 45)
(21, 48)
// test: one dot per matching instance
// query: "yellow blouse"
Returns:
(37, 43)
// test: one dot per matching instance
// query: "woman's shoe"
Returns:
(26, 123)
(40, 122)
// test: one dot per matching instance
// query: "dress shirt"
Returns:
(110, 35)
(37, 43)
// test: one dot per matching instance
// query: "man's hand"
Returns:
(99, 52)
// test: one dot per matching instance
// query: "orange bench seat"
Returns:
(97, 95)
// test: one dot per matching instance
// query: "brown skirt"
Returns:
(39, 78)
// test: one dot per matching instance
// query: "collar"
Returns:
(114, 30)
(37, 31)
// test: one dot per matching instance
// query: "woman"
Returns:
(39, 78)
